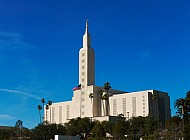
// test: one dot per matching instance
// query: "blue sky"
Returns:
(139, 45)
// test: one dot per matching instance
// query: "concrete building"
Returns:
(130, 104)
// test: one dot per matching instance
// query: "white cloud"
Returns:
(20, 93)
(144, 56)
(6, 117)
(10, 40)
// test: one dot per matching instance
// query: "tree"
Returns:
(183, 109)
(47, 131)
(50, 103)
(150, 125)
(137, 124)
(173, 127)
(79, 127)
(6, 133)
(108, 127)
(188, 106)
(98, 130)
(91, 96)
(43, 102)
(85, 126)
(39, 109)
(19, 126)
(181, 106)
(106, 97)
(14, 133)
(188, 94)
(120, 128)
(107, 86)
(72, 127)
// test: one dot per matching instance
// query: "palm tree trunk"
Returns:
(43, 112)
(183, 114)
(106, 107)
(103, 107)
(92, 108)
(40, 116)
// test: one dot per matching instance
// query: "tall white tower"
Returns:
(86, 61)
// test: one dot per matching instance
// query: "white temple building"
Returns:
(130, 104)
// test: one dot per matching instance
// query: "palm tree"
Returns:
(181, 105)
(47, 107)
(183, 109)
(19, 125)
(188, 105)
(43, 101)
(188, 94)
(106, 97)
(91, 97)
(107, 86)
(40, 108)
(50, 103)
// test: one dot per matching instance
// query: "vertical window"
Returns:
(67, 112)
(124, 106)
(134, 106)
(53, 114)
(114, 107)
(60, 114)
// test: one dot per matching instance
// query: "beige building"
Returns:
(130, 104)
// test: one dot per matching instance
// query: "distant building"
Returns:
(130, 104)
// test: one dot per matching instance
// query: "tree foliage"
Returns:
(78, 126)
(98, 130)
(47, 131)
(14, 133)
(183, 110)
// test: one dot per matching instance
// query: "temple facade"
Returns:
(87, 98)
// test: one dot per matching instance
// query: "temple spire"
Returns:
(86, 61)
(86, 37)
(86, 31)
